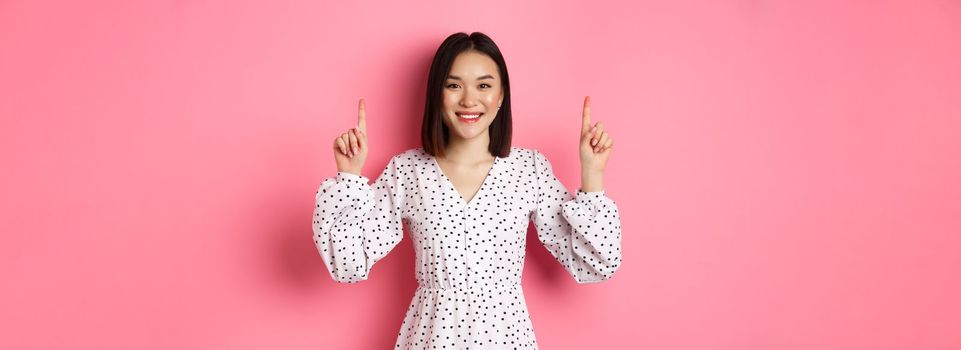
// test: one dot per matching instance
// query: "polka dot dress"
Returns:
(469, 255)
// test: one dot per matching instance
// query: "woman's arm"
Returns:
(356, 224)
(582, 232)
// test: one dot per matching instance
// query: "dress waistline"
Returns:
(472, 287)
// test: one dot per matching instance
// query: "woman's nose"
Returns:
(468, 100)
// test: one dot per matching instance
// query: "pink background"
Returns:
(788, 173)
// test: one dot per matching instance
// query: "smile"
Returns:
(469, 118)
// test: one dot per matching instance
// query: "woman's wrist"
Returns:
(349, 171)
(592, 181)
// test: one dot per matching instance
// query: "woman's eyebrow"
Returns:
(454, 77)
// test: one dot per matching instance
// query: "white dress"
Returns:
(469, 256)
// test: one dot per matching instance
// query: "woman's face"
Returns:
(472, 88)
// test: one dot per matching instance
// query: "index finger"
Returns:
(362, 115)
(586, 119)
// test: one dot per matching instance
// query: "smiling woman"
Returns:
(468, 198)
(474, 81)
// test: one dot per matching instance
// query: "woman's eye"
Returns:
(454, 86)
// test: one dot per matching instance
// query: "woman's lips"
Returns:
(469, 120)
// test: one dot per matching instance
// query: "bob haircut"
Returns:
(434, 134)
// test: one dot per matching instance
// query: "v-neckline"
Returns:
(451, 183)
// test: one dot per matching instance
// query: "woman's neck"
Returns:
(468, 151)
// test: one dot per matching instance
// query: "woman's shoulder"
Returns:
(412, 152)
(526, 154)
(523, 158)
(522, 152)
(410, 156)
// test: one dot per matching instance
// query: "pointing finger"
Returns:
(362, 115)
(586, 118)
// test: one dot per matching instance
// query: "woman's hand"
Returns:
(350, 148)
(595, 149)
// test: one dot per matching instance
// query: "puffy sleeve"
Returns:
(356, 224)
(583, 232)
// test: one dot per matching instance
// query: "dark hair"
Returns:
(433, 133)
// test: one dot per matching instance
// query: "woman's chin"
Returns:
(469, 134)
(468, 131)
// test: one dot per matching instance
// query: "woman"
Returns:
(467, 197)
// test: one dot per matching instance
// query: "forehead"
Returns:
(471, 64)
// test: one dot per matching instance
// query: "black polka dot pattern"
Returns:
(469, 255)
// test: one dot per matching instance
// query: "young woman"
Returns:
(467, 196)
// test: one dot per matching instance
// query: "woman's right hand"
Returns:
(350, 148)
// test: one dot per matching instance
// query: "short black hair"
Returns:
(433, 134)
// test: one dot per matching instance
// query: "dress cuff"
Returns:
(584, 206)
(593, 197)
(352, 178)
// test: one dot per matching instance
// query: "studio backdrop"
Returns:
(788, 173)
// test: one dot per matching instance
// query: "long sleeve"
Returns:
(356, 224)
(582, 232)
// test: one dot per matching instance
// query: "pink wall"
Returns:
(789, 173)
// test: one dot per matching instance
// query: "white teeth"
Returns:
(468, 116)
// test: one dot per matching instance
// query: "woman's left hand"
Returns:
(595, 144)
